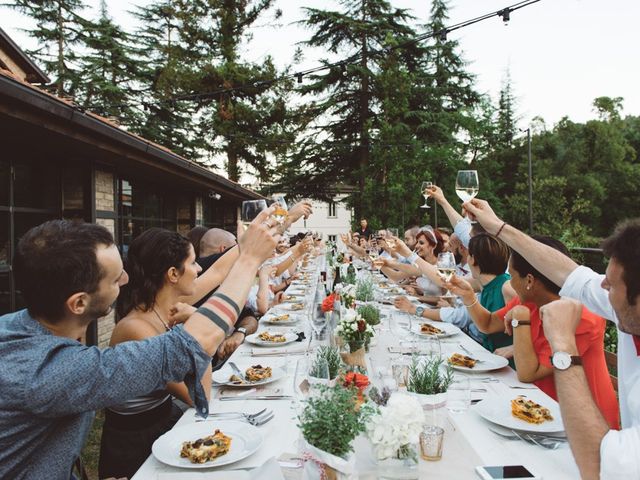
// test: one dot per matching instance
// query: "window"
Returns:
(332, 209)
(332, 238)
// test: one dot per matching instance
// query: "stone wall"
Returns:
(105, 201)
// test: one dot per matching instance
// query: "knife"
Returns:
(260, 397)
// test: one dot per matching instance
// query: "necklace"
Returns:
(160, 318)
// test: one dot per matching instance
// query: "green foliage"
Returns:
(370, 313)
(364, 290)
(611, 337)
(426, 378)
(330, 421)
(329, 354)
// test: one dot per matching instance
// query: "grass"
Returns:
(91, 451)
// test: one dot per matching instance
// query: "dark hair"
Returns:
(490, 253)
(524, 268)
(195, 235)
(439, 246)
(56, 260)
(476, 229)
(445, 230)
(624, 246)
(149, 258)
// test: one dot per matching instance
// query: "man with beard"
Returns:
(70, 274)
(598, 451)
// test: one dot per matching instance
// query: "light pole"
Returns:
(528, 130)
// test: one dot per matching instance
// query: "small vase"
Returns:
(405, 468)
(355, 356)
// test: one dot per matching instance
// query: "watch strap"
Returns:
(575, 360)
(523, 322)
(242, 330)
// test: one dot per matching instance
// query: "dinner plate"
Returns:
(289, 336)
(245, 440)
(289, 306)
(488, 362)
(221, 377)
(497, 409)
(272, 318)
(447, 328)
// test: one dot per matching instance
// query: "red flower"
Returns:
(358, 380)
(327, 303)
(362, 325)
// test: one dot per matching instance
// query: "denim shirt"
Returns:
(51, 386)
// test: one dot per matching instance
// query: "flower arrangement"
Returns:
(425, 377)
(346, 293)
(370, 313)
(396, 427)
(354, 330)
(328, 302)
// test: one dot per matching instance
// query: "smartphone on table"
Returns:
(504, 472)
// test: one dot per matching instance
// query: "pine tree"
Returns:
(109, 69)
(338, 147)
(507, 119)
(59, 28)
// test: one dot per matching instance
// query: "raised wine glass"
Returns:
(251, 209)
(281, 211)
(446, 265)
(467, 185)
(425, 193)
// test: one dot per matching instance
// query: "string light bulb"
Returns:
(299, 78)
(506, 16)
(443, 35)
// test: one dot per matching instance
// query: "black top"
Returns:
(366, 233)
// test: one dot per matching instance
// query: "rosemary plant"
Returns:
(426, 377)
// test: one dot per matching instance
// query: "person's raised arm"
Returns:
(211, 322)
(486, 321)
(425, 268)
(586, 427)
(551, 263)
(452, 214)
(212, 277)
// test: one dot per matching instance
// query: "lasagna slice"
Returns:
(207, 448)
(462, 360)
(257, 373)
(275, 338)
(529, 411)
(429, 329)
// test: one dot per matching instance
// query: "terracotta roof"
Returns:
(191, 165)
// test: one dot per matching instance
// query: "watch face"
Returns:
(561, 360)
(514, 323)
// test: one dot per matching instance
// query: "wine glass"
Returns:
(281, 212)
(446, 265)
(301, 386)
(392, 232)
(425, 193)
(467, 185)
(251, 209)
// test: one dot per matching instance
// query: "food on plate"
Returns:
(280, 318)
(461, 360)
(257, 373)
(383, 285)
(207, 448)
(529, 411)
(272, 337)
(296, 306)
(429, 329)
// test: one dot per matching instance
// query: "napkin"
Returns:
(267, 391)
(270, 470)
(278, 352)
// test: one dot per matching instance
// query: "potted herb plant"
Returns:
(329, 423)
(428, 382)
(329, 356)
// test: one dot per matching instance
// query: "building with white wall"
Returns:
(329, 218)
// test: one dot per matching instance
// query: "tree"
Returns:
(507, 119)
(59, 27)
(108, 70)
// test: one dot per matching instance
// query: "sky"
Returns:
(561, 54)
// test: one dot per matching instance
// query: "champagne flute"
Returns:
(446, 265)
(281, 211)
(425, 193)
(251, 209)
(467, 185)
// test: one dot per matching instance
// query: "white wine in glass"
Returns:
(467, 184)
(425, 193)
(446, 266)
(281, 212)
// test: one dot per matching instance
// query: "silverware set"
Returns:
(255, 419)
(544, 441)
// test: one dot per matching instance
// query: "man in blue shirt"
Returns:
(70, 274)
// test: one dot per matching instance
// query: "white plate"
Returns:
(271, 318)
(497, 409)
(488, 363)
(447, 328)
(245, 440)
(289, 336)
(221, 377)
(288, 307)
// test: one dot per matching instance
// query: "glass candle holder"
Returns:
(431, 440)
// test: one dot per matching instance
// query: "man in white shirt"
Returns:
(598, 451)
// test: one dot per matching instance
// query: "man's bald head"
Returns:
(216, 240)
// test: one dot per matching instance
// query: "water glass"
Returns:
(400, 374)
(459, 395)
(431, 440)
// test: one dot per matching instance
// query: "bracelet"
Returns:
(500, 229)
(472, 304)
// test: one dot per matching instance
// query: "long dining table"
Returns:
(468, 440)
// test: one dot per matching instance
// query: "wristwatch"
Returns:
(515, 323)
(562, 360)
(242, 330)
(419, 310)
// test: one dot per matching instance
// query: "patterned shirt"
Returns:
(52, 385)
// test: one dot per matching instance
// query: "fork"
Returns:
(541, 441)
(256, 419)
(246, 416)
(468, 352)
